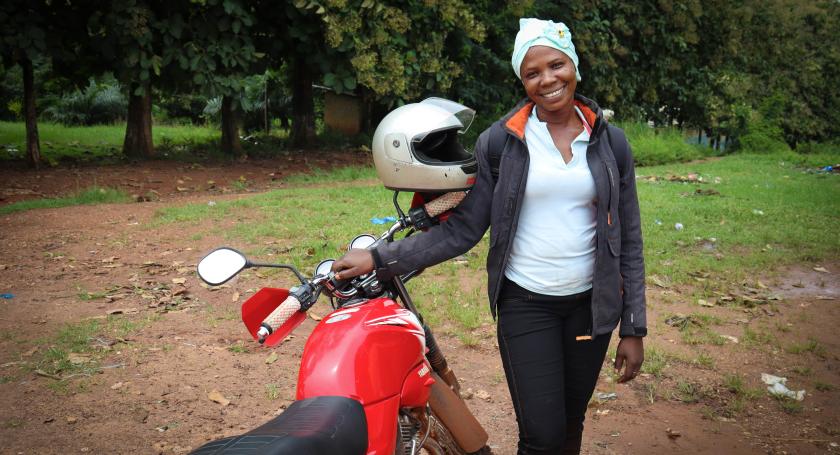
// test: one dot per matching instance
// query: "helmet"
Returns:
(416, 148)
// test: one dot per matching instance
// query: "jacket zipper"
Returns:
(609, 200)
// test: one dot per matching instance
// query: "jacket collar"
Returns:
(515, 120)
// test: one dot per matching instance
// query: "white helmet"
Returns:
(416, 148)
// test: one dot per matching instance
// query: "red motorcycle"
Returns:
(372, 378)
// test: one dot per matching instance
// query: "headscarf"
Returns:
(538, 32)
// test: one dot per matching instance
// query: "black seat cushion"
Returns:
(315, 426)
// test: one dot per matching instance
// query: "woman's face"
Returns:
(549, 78)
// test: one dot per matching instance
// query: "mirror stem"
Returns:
(279, 266)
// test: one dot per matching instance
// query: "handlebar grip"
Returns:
(444, 203)
(282, 313)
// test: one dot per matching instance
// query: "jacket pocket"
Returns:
(614, 238)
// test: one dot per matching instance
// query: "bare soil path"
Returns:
(173, 342)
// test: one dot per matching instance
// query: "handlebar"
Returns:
(446, 202)
(278, 317)
(300, 299)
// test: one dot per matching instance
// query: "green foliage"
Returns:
(397, 53)
(90, 196)
(812, 148)
(99, 103)
(654, 146)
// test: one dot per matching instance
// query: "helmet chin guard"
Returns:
(416, 147)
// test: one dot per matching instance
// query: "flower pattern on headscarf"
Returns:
(538, 32)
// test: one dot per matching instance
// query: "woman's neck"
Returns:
(565, 116)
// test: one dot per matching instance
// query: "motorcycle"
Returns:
(372, 378)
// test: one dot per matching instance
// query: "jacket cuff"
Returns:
(379, 266)
(630, 331)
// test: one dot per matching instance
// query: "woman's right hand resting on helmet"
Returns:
(354, 263)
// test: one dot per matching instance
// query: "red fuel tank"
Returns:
(364, 352)
(372, 352)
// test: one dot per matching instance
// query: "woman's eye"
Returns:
(557, 66)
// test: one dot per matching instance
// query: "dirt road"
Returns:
(164, 345)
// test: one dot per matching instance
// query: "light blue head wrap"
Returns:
(537, 32)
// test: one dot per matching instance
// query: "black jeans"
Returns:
(550, 374)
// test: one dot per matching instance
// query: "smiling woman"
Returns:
(556, 186)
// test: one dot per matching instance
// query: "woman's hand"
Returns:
(354, 263)
(630, 354)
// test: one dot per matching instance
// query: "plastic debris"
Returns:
(387, 219)
(731, 338)
(603, 396)
(7, 296)
(678, 226)
(758, 212)
(777, 387)
(657, 222)
(211, 203)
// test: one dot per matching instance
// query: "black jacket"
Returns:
(618, 288)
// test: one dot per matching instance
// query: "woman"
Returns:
(565, 263)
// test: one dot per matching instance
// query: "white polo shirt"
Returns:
(553, 251)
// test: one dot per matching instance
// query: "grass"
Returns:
(758, 339)
(656, 361)
(796, 207)
(695, 330)
(688, 392)
(306, 224)
(89, 196)
(704, 360)
(72, 351)
(813, 346)
(238, 348)
(94, 143)
(272, 392)
(789, 405)
(823, 386)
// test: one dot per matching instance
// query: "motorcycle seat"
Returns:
(315, 426)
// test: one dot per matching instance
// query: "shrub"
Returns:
(653, 146)
(99, 103)
(812, 148)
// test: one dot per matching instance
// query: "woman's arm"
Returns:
(632, 263)
(464, 228)
(630, 351)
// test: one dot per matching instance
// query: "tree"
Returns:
(126, 36)
(214, 50)
(23, 38)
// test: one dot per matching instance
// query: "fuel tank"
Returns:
(370, 351)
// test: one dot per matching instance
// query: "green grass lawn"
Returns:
(90, 143)
(756, 213)
(89, 196)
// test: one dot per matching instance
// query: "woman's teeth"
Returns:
(553, 94)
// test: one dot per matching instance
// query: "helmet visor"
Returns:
(459, 113)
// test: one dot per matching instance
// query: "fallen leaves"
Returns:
(217, 397)
(271, 358)
(79, 359)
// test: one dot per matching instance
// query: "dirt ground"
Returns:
(181, 341)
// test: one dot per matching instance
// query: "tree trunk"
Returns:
(33, 145)
(230, 128)
(265, 106)
(138, 130)
(303, 106)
